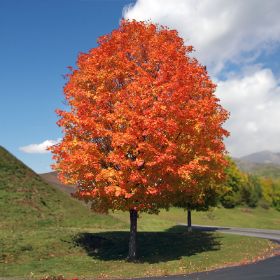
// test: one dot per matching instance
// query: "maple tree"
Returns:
(143, 119)
(200, 198)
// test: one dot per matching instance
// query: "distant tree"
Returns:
(246, 189)
(270, 193)
(200, 200)
(235, 181)
(267, 192)
(143, 118)
(276, 195)
(251, 190)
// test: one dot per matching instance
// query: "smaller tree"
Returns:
(201, 199)
(270, 192)
(276, 195)
(235, 180)
(251, 190)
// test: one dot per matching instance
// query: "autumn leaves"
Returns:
(143, 124)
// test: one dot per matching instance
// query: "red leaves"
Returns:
(142, 119)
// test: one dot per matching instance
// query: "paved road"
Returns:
(262, 233)
(268, 269)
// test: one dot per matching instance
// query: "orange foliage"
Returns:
(143, 118)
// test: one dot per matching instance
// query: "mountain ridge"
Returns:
(264, 157)
(264, 164)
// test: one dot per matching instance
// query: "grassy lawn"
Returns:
(45, 232)
(74, 248)
(240, 217)
(90, 252)
(237, 217)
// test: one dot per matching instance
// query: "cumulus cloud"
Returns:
(225, 33)
(253, 100)
(221, 31)
(40, 148)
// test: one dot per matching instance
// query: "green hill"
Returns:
(28, 201)
(51, 178)
(37, 220)
(264, 157)
(269, 170)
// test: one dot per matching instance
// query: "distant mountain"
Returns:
(265, 157)
(265, 164)
(52, 179)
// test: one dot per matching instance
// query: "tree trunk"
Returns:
(189, 220)
(132, 238)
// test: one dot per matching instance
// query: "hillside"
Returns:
(261, 169)
(51, 178)
(265, 164)
(38, 221)
(27, 200)
(263, 157)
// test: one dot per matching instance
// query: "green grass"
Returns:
(45, 232)
(237, 217)
(240, 217)
(91, 253)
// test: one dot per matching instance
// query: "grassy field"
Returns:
(238, 217)
(90, 253)
(45, 232)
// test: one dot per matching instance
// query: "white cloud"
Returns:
(40, 148)
(254, 103)
(220, 31)
(232, 31)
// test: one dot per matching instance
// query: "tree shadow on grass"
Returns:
(153, 247)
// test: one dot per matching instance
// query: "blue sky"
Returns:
(238, 41)
(39, 39)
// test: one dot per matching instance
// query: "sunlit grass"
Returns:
(45, 232)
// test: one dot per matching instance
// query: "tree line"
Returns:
(241, 188)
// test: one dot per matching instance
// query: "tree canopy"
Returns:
(143, 119)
